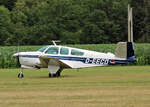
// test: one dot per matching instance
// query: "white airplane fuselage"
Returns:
(57, 58)
(29, 58)
(88, 59)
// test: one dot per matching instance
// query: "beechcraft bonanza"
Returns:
(56, 58)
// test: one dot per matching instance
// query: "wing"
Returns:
(47, 60)
(65, 62)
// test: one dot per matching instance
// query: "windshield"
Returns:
(43, 48)
(52, 50)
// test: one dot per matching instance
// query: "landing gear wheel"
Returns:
(20, 75)
(54, 75)
(50, 75)
(58, 74)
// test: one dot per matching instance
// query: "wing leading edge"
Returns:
(46, 60)
(72, 62)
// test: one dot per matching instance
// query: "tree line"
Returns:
(37, 22)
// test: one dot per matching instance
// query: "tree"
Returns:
(71, 21)
(5, 25)
(10, 4)
(141, 13)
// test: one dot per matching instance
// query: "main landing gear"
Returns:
(51, 74)
(57, 74)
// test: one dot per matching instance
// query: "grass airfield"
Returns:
(115, 86)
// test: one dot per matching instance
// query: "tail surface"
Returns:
(125, 50)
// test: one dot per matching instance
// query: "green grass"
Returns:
(113, 86)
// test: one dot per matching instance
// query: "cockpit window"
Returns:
(76, 52)
(43, 48)
(52, 50)
(64, 51)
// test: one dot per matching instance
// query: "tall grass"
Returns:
(6, 52)
(142, 52)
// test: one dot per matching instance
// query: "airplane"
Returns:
(56, 57)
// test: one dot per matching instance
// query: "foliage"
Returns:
(5, 24)
(10, 4)
(30, 22)
(141, 20)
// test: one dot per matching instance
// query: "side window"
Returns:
(64, 51)
(52, 50)
(76, 52)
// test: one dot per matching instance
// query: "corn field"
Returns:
(142, 52)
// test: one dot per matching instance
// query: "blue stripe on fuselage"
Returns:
(29, 56)
(129, 60)
(82, 59)
(58, 57)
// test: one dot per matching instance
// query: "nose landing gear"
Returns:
(20, 75)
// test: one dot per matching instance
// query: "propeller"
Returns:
(17, 56)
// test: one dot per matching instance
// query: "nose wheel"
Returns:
(20, 75)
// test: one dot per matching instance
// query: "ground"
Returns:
(117, 86)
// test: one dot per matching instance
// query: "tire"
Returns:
(20, 75)
(55, 75)
(58, 74)
(50, 75)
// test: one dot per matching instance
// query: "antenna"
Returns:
(54, 42)
(130, 24)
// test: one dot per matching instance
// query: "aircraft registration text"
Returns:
(97, 61)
